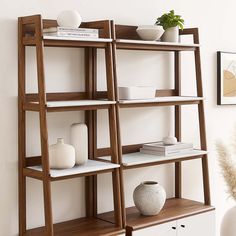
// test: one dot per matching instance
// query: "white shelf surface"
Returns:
(76, 103)
(157, 43)
(162, 99)
(138, 158)
(70, 38)
(90, 166)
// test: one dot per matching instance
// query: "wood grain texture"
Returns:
(43, 128)
(174, 209)
(81, 227)
(178, 167)
(202, 124)
(21, 131)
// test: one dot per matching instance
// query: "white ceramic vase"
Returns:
(61, 155)
(149, 198)
(169, 140)
(228, 226)
(70, 19)
(171, 35)
(79, 139)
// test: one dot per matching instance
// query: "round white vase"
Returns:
(61, 155)
(228, 226)
(70, 19)
(171, 35)
(169, 140)
(149, 198)
(79, 139)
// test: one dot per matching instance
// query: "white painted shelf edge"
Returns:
(76, 103)
(65, 38)
(90, 166)
(157, 43)
(163, 99)
(140, 158)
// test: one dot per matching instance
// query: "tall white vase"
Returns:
(171, 35)
(79, 139)
(228, 225)
(61, 155)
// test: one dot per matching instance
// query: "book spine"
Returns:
(79, 30)
(92, 35)
(173, 147)
(81, 35)
(166, 153)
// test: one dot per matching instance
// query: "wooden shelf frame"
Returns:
(121, 32)
(30, 31)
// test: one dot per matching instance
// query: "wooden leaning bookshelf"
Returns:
(117, 158)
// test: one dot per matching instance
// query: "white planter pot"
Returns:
(69, 19)
(61, 155)
(228, 226)
(149, 197)
(79, 139)
(171, 35)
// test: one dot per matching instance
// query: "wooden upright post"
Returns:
(202, 124)
(178, 169)
(21, 130)
(113, 136)
(43, 128)
(123, 211)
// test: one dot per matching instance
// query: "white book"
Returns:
(160, 146)
(166, 153)
(77, 35)
(66, 29)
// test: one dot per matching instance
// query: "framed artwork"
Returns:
(226, 81)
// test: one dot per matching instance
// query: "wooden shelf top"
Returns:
(160, 101)
(82, 227)
(174, 209)
(90, 167)
(138, 159)
(154, 45)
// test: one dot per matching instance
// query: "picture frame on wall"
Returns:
(226, 81)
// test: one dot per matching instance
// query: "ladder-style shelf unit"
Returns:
(126, 38)
(118, 157)
(30, 31)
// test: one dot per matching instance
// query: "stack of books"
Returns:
(161, 149)
(71, 32)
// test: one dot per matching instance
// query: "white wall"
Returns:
(64, 69)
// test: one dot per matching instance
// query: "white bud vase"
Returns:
(79, 139)
(149, 198)
(169, 140)
(61, 155)
(171, 35)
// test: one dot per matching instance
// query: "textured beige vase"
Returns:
(61, 155)
(149, 198)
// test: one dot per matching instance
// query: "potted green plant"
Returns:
(171, 23)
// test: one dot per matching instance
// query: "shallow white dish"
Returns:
(150, 32)
(136, 92)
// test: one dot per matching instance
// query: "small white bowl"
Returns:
(150, 32)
